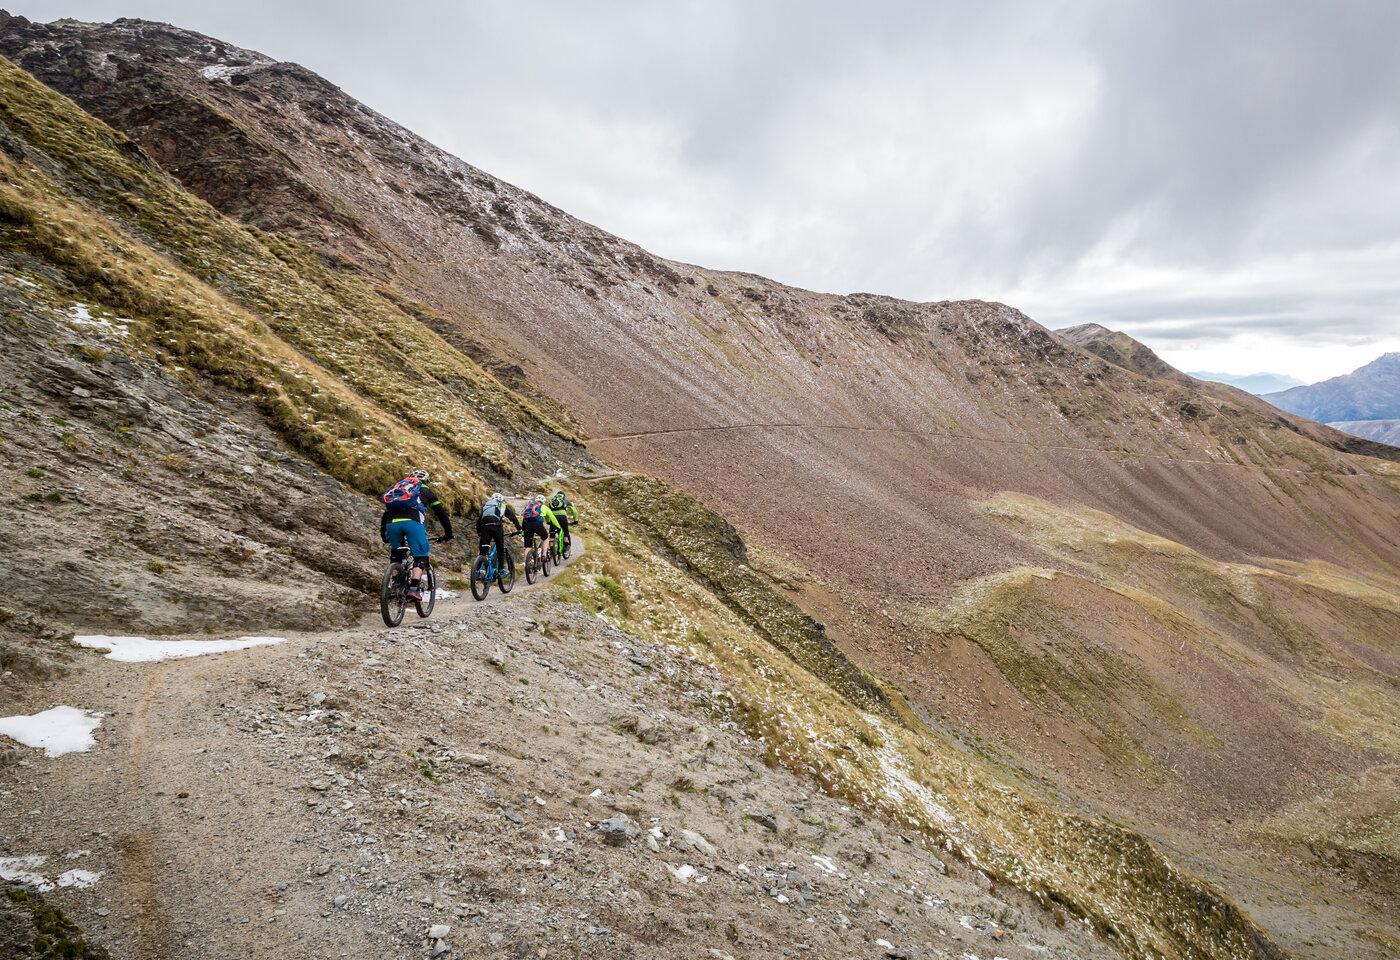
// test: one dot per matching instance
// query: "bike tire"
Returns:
(480, 585)
(428, 588)
(544, 562)
(532, 567)
(505, 574)
(391, 600)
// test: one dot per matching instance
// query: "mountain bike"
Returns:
(487, 567)
(393, 594)
(559, 547)
(537, 560)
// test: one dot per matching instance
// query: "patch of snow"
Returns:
(25, 870)
(144, 650)
(57, 731)
(21, 870)
(82, 879)
(218, 71)
(80, 314)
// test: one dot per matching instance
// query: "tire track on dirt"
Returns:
(137, 847)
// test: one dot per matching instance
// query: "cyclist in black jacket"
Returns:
(491, 527)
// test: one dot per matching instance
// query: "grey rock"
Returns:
(439, 931)
(698, 843)
(512, 815)
(764, 818)
(618, 830)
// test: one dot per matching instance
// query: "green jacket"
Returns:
(550, 520)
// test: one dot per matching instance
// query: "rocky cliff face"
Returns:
(1165, 601)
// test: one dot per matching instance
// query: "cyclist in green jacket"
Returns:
(564, 512)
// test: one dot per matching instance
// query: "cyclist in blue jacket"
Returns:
(406, 506)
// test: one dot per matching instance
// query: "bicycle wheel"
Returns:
(428, 588)
(532, 567)
(544, 561)
(480, 585)
(505, 576)
(391, 596)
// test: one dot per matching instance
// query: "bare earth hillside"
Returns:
(1080, 599)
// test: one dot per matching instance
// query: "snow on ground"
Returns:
(82, 316)
(25, 870)
(58, 730)
(144, 650)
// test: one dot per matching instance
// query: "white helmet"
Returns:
(498, 498)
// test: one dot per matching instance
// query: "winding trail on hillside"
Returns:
(944, 435)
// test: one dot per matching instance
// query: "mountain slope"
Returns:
(188, 332)
(955, 493)
(1371, 392)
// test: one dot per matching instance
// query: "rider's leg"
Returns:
(417, 535)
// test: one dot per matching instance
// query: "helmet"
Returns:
(420, 475)
(539, 498)
(498, 498)
(558, 494)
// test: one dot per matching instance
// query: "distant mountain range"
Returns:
(1369, 393)
(1364, 403)
(1255, 383)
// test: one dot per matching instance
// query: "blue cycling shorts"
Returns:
(411, 532)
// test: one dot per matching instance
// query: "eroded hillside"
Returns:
(989, 586)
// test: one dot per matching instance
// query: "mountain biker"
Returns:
(406, 506)
(491, 527)
(536, 520)
(564, 512)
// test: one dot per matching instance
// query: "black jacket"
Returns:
(427, 500)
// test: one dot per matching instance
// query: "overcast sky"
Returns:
(1221, 180)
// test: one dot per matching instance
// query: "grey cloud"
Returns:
(928, 150)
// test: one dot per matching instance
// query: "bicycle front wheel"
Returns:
(505, 576)
(391, 596)
(480, 585)
(532, 567)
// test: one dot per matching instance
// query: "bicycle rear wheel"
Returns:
(480, 585)
(428, 588)
(391, 596)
